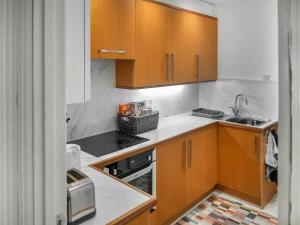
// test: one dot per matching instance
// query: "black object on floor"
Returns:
(107, 143)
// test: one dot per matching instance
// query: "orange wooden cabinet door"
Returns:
(143, 219)
(171, 179)
(239, 160)
(209, 49)
(152, 63)
(184, 68)
(151, 66)
(202, 162)
(113, 29)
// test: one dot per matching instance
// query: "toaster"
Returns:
(80, 197)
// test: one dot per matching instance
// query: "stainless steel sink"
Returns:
(246, 120)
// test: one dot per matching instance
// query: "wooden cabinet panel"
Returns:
(152, 44)
(209, 49)
(113, 29)
(239, 160)
(184, 51)
(143, 219)
(202, 162)
(171, 179)
(195, 46)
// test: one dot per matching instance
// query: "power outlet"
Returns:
(267, 78)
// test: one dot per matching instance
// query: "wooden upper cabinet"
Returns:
(184, 47)
(239, 160)
(172, 47)
(152, 44)
(113, 29)
(209, 49)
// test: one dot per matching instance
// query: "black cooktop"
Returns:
(106, 143)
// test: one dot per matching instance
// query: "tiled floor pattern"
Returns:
(220, 209)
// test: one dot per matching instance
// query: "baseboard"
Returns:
(243, 196)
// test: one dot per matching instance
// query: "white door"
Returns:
(32, 112)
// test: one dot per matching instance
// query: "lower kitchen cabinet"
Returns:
(241, 164)
(202, 162)
(171, 176)
(186, 170)
(239, 160)
(143, 219)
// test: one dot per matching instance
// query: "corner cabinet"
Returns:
(241, 164)
(186, 171)
(77, 51)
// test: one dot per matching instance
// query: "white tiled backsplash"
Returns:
(99, 114)
(262, 97)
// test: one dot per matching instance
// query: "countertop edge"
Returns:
(133, 213)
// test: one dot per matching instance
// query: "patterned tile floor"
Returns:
(220, 209)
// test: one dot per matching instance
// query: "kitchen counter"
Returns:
(114, 199)
(168, 128)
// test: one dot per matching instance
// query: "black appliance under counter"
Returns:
(107, 143)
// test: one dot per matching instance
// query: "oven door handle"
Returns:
(139, 173)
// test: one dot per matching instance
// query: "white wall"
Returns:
(194, 5)
(248, 51)
(262, 97)
(248, 39)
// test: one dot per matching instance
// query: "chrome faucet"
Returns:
(235, 108)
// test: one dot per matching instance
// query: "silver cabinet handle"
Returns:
(112, 51)
(198, 66)
(184, 156)
(256, 149)
(173, 66)
(168, 66)
(190, 154)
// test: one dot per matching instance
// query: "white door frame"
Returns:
(49, 109)
(284, 113)
(295, 115)
(32, 112)
(289, 112)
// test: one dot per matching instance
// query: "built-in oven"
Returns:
(138, 170)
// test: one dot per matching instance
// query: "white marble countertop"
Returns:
(168, 127)
(113, 199)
